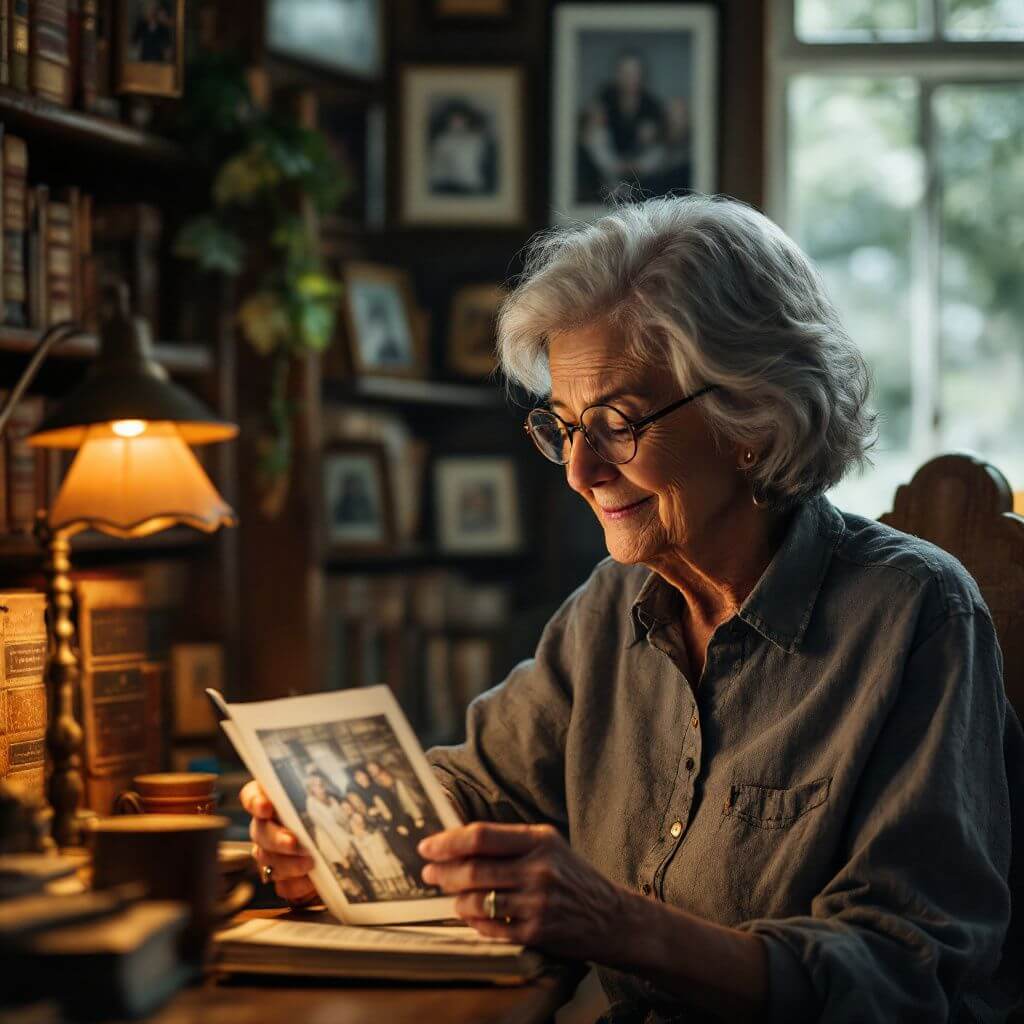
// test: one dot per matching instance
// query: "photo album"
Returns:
(346, 774)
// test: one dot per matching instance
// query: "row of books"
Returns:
(58, 249)
(430, 636)
(61, 50)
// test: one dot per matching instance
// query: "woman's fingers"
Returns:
(282, 866)
(274, 838)
(483, 839)
(480, 874)
(295, 890)
(255, 801)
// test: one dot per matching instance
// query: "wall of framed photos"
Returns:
(440, 540)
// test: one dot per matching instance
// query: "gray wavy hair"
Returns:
(720, 295)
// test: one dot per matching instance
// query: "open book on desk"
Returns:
(346, 774)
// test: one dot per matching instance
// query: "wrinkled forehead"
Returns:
(589, 362)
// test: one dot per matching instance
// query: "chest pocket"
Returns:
(770, 808)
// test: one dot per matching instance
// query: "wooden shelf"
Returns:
(413, 555)
(24, 546)
(24, 113)
(406, 391)
(175, 357)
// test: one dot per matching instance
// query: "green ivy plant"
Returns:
(268, 175)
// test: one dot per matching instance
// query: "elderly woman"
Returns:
(758, 767)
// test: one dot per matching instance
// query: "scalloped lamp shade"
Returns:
(138, 484)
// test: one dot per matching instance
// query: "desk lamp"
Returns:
(133, 475)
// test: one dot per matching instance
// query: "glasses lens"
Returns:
(609, 433)
(549, 435)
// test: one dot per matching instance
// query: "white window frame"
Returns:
(932, 63)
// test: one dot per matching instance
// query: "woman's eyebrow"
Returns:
(609, 396)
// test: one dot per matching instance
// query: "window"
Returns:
(897, 162)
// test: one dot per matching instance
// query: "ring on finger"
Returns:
(266, 873)
(491, 908)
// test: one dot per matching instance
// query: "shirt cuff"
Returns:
(791, 996)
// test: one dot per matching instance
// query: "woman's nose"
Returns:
(585, 469)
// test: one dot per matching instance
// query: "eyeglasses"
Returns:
(609, 432)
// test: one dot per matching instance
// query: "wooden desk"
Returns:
(297, 1001)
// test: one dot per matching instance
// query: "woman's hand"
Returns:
(277, 847)
(555, 900)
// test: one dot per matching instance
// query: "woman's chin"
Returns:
(626, 547)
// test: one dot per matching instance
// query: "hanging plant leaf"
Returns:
(264, 320)
(244, 177)
(211, 245)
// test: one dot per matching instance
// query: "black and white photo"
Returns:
(634, 107)
(462, 141)
(381, 314)
(338, 35)
(357, 497)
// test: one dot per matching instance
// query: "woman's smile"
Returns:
(623, 511)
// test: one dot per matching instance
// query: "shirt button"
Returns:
(689, 764)
(693, 721)
(677, 827)
(645, 889)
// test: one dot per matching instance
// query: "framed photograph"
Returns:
(151, 47)
(357, 498)
(344, 36)
(471, 329)
(634, 106)
(462, 141)
(195, 668)
(477, 505)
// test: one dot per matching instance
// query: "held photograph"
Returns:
(151, 47)
(634, 111)
(360, 801)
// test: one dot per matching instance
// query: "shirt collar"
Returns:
(781, 603)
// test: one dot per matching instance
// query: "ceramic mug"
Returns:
(174, 856)
(169, 793)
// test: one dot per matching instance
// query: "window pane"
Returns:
(843, 21)
(981, 159)
(984, 19)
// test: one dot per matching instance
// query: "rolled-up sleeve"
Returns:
(511, 767)
(917, 913)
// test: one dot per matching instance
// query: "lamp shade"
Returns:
(127, 383)
(132, 486)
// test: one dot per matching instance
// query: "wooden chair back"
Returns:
(965, 506)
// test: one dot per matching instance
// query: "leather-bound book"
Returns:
(38, 237)
(86, 85)
(15, 284)
(23, 691)
(26, 472)
(49, 57)
(121, 702)
(87, 283)
(18, 46)
(74, 29)
(60, 261)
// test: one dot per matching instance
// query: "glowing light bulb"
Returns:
(128, 428)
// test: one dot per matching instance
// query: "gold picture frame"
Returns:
(471, 335)
(386, 329)
(148, 30)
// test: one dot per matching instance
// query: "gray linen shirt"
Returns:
(837, 783)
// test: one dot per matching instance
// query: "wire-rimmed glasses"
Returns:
(610, 433)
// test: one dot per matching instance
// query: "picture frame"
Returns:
(475, 13)
(462, 140)
(150, 49)
(664, 58)
(387, 331)
(471, 329)
(477, 505)
(345, 37)
(195, 668)
(359, 510)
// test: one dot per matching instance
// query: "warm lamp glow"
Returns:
(134, 486)
(128, 428)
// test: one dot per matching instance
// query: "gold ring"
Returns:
(267, 873)
(491, 904)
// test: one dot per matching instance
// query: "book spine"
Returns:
(23, 692)
(15, 224)
(74, 34)
(59, 263)
(49, 54)
(19, 43)
(38, 206)
(87, 54)
(5, 43)
(87, 264)
(26, 480)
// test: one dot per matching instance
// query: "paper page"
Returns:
(346, 774)
(341, 937)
